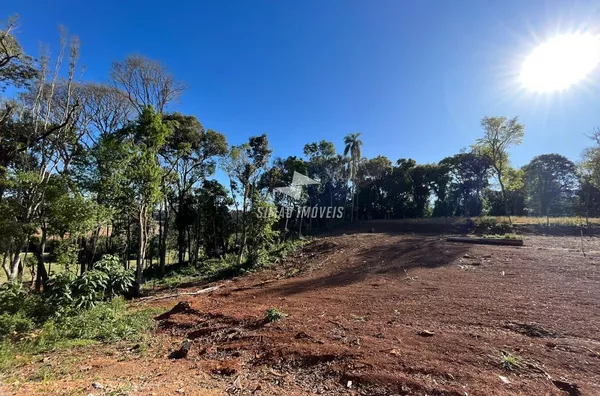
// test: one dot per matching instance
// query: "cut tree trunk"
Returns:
(487, 241)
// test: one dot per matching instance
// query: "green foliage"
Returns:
(67, 254)
(274, 315)
(11, 297)
(118, 279)
(16, 70)
(59, 292)
(262, 217)
(509, 361)
(552, 182)
(106, 280)
(15, 299)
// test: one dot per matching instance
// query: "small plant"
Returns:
(274, 315)
(509, 361)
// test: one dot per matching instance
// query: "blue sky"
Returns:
(415, 77)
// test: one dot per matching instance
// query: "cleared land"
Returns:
(368, 313)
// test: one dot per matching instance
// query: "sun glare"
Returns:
(561, 62)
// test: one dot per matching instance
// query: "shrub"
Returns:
(89, 288)
(105, 281)
(59, 291)
(119, 279)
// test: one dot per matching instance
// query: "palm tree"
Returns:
(352, 147)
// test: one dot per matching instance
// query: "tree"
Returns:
(469, 174)
(499, 134)
(552, 182)
(143, 141)
(515, 186)
(213, 226)
(352, 149)
(244, 165)
(373, 174)
(35, 144)
(440, 178)
(189, 156)
(146, 82)
(16, 67)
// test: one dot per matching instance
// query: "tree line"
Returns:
(92, 169)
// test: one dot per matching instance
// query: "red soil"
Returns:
(357, 307)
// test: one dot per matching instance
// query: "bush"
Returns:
(107, 280)
(119, 279)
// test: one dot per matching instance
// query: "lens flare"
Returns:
(561, 62)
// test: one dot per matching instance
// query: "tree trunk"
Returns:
(139, 268)
(357, 205)
(163, 245)
(180, 244)
(504, 196)
(160, 239)
(587, 204)
(42, 276)
(128, 243)
(6, 271)
(81, 257)
(16, 261)
(189, 247)
(352, 207)
(243, 242)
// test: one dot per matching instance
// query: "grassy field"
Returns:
(518, 220)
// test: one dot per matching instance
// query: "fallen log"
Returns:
(487, 241)
(201, 291)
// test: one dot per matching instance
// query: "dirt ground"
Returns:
(369, 314)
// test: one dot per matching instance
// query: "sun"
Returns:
(561, 62)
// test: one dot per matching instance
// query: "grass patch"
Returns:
(574, 221)
(106, 322)
(501, 236)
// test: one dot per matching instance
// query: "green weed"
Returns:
(274, 315)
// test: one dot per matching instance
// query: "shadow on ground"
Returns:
(385, 259)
